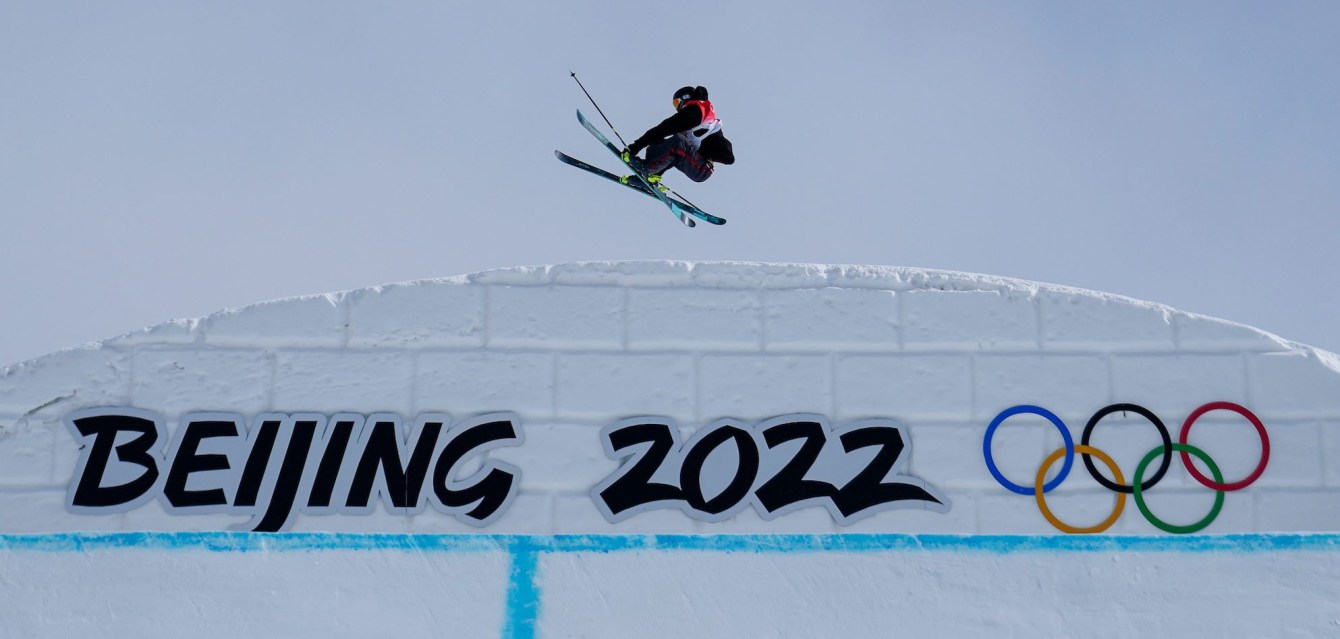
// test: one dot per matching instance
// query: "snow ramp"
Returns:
(668, 449)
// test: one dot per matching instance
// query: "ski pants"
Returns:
(674, 152)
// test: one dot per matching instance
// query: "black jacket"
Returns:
(715, 147)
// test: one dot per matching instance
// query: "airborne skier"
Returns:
(691, 140)
(692, 149)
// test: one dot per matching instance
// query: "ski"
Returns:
(679, 212)
(637, 186)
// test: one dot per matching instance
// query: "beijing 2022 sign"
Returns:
(274, 465)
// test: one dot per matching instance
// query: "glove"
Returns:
(627, 155)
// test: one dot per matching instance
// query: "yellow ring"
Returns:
(1042, 502)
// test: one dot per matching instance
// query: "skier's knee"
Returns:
(699, 176)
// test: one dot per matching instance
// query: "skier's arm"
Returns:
(682, 120)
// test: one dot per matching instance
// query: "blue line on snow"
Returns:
(467, 543)
(523, 594)
(523, 590)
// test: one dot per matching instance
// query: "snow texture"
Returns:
(570, 349)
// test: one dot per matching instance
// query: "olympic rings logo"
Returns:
(1139, 483)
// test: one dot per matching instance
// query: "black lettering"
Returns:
(493, 491)
(868, 488)
(188, 460)
(89, 492)
(382, 454)
(632, 485)
(290, 476)
(789, 485)
(253, 473)
(746, 470)
(119, 467)
(323, 486)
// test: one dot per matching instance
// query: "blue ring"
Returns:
(1035, 410)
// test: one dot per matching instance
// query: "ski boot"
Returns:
(654, 180)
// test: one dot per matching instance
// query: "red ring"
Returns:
(1260, 430)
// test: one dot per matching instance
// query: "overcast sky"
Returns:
(170, 159)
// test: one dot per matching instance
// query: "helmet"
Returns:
(684, 94)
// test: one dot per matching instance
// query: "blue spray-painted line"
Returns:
(524, 596)
(252, 542)
(1000, 544)
(846, 543)
(523, 593)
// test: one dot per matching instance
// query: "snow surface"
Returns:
(704, 274)
(570, 349)
(863, 586)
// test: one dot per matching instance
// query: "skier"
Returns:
(690, 140)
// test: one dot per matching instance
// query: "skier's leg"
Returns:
(660, 156)
(693, 165)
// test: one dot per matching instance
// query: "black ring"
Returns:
(1143, 412)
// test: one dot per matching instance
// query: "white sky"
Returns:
(170, 159)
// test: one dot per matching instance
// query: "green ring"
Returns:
(1159, 523)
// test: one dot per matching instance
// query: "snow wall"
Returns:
(676, 449)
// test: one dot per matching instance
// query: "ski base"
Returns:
(639, 187)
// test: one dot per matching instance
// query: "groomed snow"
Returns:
(565, 351)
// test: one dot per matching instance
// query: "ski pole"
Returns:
(686, 200)
(598, 109)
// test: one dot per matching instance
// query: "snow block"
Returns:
(694, 319)
(968, 320)
(304, 322)
(1070, 385)
(66, 380)
(831, 319)
(343, 380)
(569, 350)
(1073, 321)
(473, 382)
(574, 316)
(177, 380)
(594, 384)
(760, 386)
(633, 448)
(913, 387)
(403, 316)
(1294, 383)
